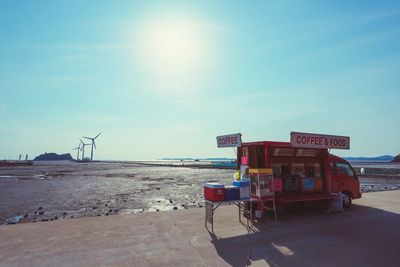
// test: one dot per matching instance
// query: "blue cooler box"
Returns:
(232, 192)
(243, 188)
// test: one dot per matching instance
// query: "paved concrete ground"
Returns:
(368, 234)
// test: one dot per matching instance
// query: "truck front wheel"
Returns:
(346, 200)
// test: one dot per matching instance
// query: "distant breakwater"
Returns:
(188, 165)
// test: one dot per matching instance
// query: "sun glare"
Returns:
(175, 46)
(173, 51)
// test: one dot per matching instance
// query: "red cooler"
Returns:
(214, 192)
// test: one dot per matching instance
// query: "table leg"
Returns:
(239, 210)
(205, 216)
(212, 219)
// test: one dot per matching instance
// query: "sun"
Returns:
(175, 45)
(173, 50)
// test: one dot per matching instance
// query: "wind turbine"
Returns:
(93, 144)
(83, 149)
(78, 148)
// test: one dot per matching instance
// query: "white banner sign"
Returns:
(230, 140)
(319, 141)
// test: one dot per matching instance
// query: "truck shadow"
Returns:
(360, 236)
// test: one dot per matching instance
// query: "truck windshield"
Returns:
(344, 168)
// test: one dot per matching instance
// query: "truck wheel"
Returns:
(346, 200)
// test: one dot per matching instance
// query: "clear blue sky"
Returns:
(163, 78)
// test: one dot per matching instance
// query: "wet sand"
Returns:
(59, 190)
(62, 190)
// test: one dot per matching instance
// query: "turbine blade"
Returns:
(94, 144)
(86, 137)
(97, 135)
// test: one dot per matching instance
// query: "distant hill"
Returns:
(54, 156)
(396, 159)
(380, 158)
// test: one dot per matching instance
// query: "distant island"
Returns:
(53, 156)
(396, 159)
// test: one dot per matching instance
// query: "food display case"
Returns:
(262, 184)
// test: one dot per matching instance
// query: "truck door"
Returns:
(335, 178)
(346, 178)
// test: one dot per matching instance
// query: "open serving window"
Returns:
(261, 183)
(298, 168)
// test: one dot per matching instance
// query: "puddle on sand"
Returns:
(131, 211)
(15, 219)
(39, 176)
(162, 204)
(6, 176)
(183, 185)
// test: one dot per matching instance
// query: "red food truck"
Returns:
(303, 169)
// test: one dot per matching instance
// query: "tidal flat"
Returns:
(49, 191)
(62, 190)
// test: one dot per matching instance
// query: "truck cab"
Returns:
(344, 179)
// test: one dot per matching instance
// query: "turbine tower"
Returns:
(78, 148)
(93, 144)
(83, 149)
